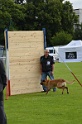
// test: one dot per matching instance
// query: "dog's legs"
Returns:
(63, 87)
(67, 90)
(47, 91)
(48, 88)
(62, 90)
(59, 85)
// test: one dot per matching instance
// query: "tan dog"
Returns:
(59, 83)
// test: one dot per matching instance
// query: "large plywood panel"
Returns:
(25, 49)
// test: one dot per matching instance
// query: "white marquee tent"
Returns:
(71, 52)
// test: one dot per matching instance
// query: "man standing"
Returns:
(3, 82)
(47, 67)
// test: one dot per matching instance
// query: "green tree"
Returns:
(68, 17)
(11, 17)
(4, 20)
(54, 15)
(17, 12)
(44, 15)
(61, 38)
(19, 1)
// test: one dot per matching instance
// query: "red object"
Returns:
(8, 93)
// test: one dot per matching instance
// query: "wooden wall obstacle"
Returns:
(25, 49)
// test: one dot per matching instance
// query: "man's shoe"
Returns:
(43, 91)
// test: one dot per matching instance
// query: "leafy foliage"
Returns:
(68, 17)
(54, 15)
(61, 38)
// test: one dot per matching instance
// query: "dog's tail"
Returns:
(70, 82)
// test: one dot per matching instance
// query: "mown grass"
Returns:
(39, 108)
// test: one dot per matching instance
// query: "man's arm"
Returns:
(52, 68)
(3, 74)
(41, 64)
(53, 64)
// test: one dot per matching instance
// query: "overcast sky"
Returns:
(77, 4)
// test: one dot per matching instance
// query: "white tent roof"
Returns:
(73, 43)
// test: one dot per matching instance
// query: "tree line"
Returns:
(57, 16)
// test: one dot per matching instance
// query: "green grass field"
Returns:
(53, 108)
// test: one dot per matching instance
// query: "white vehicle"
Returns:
(53, 51)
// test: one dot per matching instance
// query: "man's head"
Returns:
(46, 52)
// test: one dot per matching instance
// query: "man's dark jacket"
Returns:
(46, 63)
(3, 79)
